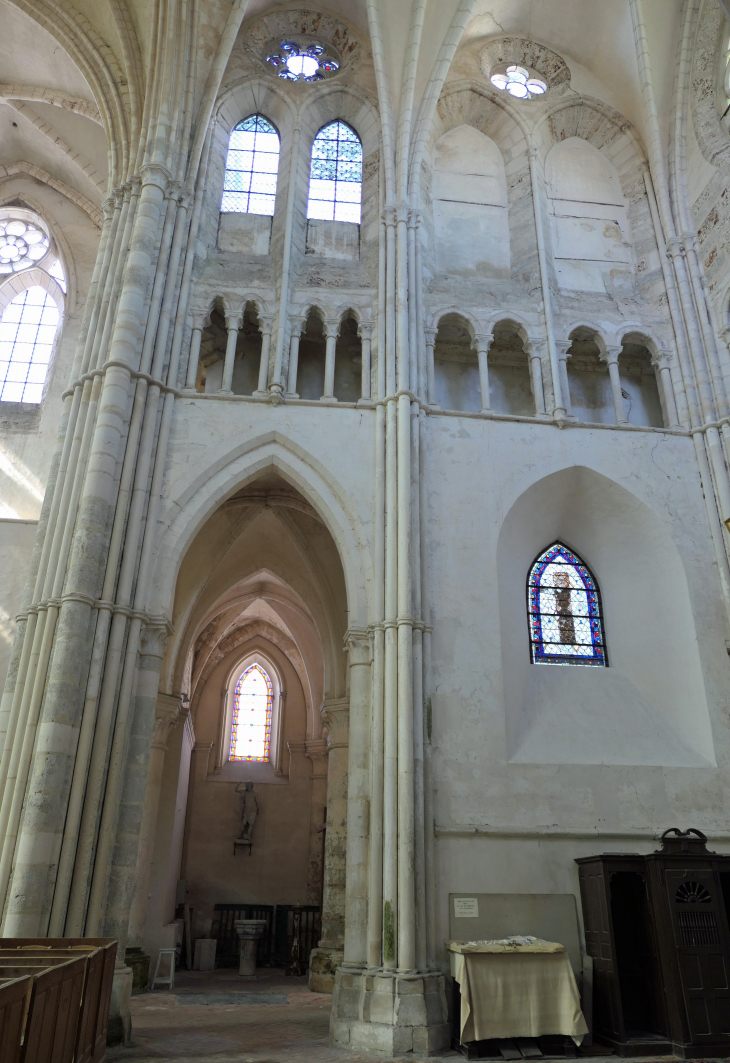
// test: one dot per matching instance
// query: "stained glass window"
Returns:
(252, 166)
(27, 329)
(564, 610)
(335, 179)
(253, 701)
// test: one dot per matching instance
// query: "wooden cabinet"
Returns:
(657, 929)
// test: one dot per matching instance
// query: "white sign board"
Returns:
(466, 908)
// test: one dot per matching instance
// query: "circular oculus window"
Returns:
(21, 244)
(303, 61)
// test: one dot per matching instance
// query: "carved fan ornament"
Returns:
(692, 893)
(311, 34)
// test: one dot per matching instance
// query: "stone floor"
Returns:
(275, 1020)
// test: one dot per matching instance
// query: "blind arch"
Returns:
(252, 168)
(335, 176)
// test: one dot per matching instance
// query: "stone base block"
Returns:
(139, 961)
(119, 1031)
(382, 1013)
(323, 964)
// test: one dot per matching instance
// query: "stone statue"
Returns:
(249, 810)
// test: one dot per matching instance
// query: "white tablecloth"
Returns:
(512, 994)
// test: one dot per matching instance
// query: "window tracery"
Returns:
(27, 330)
(564, 610)
(253, 701)
(335, 179)
(252, 167)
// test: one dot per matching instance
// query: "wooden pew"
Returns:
(14, 995)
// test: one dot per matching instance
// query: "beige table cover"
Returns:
(517, 994)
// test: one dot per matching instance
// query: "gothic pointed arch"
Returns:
(564, 610)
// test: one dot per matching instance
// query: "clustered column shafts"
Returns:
(82, 611)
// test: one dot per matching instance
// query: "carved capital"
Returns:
(611, 354)
(389, 216)
(110, 204)
(200, 318)
(266, 322)
(535, 347)
(315, 749)
(563, 347)
(168, 711)
(365, 330)
(154, 174)
(662, 359)
(357, 644)
(331, 327)
(296, 324)
(401, 213)
(234, 321)
(482, 342)
(414, 219)
(430, 336)
(336, 718)
(154, 638)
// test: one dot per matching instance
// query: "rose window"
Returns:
(22, 243)
(518, 81)
(307, 61)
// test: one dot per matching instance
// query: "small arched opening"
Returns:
(456, 366)
(312, 357)
(639, 385)
(589, 383)
(510, 388)
(348, 360)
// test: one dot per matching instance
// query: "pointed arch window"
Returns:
(253, 700)
(252, 167)
(27, 331)
(335, 178)
(564, 610)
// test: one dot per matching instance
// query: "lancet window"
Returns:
(564, 610)
(252, 168)
(335, 179)
(27, 331)
(253, 702)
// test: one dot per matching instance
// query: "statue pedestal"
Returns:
(249, 931)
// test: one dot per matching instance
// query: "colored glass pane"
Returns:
(27, 330)
(252, 166)
(253, 701)
(564, 610)
(335, 179)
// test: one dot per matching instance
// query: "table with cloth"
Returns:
(523, 987)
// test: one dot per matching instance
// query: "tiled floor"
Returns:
(286, 1024)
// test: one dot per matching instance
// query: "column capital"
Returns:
(663, 358)
(331, 327)
(266, 323)
(563, 347)
(315, 748)
(430, 334)
(365, 330)
(133, 186)
(154, 638)
(401, 213)
(535, 346)
(611, 353)
(169, 710)
(200, 318)
(675, 247)
(234, 320)
(414, 218)
(336, 718)
(389, 217)
(154, 174)
(296, 323)
(357, 645)
(482, 341)
(110, 203)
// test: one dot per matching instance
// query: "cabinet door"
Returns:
(694, 904)
(607, 1015)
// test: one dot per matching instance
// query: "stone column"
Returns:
(201, 318)
(328, 956)
(316, 751)
(357, 644)
(265, 324)
(296, 324)
(481, 343)
(365, 332)
(430, 336)
(563, 346)
(169, 711)
(534, 353)
(233, 324)
(611, 357)
(249, 931)
(331, 331)
(661, 362)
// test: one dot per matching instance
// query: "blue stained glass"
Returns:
(252, 166)
(335, 178)
(253, 700)
(564, 610)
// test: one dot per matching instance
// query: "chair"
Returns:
(168, 979)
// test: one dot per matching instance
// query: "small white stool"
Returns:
(169, 979)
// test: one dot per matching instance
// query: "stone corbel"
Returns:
(336, 718)
(168, 711)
